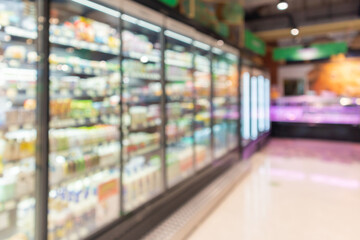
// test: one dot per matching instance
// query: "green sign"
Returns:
(171, 3)
(254, 43)
(315, 51)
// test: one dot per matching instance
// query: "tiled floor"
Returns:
(297, 190)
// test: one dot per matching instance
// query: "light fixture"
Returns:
(98, 7)
(178, 37)
(202, 45)
(282, 5)
(295, 31)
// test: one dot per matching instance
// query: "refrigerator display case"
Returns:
(225, 102)
(202, 82)
(84, 127)
(254, 133)
(245, 106)
(18, 135)
(233, 113)
(220, 102)
(267, 105)
(141, 112)
(261, 103)
(316, 110)
(132, 104)
(179, 85)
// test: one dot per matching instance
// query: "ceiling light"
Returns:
(282, 5)
(295, 31)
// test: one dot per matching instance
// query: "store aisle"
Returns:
(297, 190)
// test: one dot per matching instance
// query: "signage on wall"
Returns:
(254, 43)
(315, 51)
(170, 3)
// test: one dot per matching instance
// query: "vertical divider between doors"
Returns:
(240, 107)
(163, 110)
(194, 105)
(42, 121)
(122, 209)
(250, 104)
(212, 89)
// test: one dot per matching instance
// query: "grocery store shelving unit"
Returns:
(114, 116)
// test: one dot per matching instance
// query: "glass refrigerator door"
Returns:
(246, 109)
(179, 107)
(141, 112)
(84, 136)
(18, 79)
(202, 128)
(267, 105)
(261, 103)
(232, 106)
(221, 102)
(254, 108)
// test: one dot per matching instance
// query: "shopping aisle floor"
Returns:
(297, 190)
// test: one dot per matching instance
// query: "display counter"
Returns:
(330, 117)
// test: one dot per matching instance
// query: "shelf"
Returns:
(150, 128)
(178, 80)
(184, 100)
(82, 122)
(178, 138)
(16, 127)
(19, 32)
(143, 57)
(178, 63)
(143, 77)
(63, 41)
(143, 103)
(146, 152)
(79, 71)
(80, 94)
(85, 148)
(81, 175)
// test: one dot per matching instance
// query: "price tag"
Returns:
(4, 221)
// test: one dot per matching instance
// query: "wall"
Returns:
(339, 76)
(299, 71)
